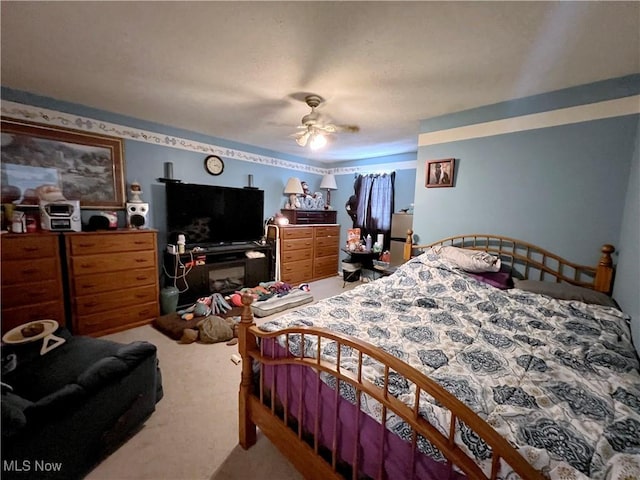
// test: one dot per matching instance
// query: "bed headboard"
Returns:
(529, 260)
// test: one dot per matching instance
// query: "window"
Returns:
(371, 206)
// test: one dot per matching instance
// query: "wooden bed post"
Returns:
(604, 271)
(408, 246)
(246, 343)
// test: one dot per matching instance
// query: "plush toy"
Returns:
(212, 329)
(204, 306)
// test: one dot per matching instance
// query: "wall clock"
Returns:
(213, 165)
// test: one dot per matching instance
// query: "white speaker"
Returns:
(137, 214)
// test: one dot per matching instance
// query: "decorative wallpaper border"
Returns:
(45, 116)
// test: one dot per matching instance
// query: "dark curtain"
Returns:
(373, 203)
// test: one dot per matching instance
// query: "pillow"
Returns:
(566, 291)
(501, 279)
(469, 260)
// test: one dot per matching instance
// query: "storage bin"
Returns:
(351, 270)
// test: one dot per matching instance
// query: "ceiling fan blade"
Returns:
(331, 128)
(302, 139)
(347, 128)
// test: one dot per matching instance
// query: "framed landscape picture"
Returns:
(79, 165)
(440, 173)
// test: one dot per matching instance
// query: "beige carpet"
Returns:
(193, 433)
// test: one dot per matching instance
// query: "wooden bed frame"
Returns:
(531, 259)
(257, 408)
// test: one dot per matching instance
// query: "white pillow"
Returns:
(469, 260)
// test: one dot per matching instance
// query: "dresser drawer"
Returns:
(304, 267)
(328, 250)
(89, 264)
(287, 256)
(26, 247)
(331, 231)
(116, 319)
(294, 232)
(295, 278)
(18, 271)
(12, 317)
(19, 295)
(325, 266)
(88, 244)
(106, 282)
(108, 301)
(298, 244)
(323, 262)
(328, 242)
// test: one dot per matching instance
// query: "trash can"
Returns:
(350, 270)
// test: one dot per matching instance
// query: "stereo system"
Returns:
(61, 215)
(137, 214)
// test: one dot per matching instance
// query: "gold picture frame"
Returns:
(83, 166)
(440, 173)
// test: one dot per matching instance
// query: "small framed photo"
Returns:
(440, 173)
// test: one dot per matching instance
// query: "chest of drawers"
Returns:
(308, 252)
(32, 283)
(113, 280)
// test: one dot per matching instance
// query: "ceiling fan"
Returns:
(313, 130)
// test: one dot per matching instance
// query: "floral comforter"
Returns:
(558, 379)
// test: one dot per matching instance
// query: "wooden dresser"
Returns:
(113, 280)
(31, 279)
(308, 252)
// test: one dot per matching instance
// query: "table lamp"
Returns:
(329, 183)
(293, 188)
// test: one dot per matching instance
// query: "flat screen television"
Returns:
(210, 215)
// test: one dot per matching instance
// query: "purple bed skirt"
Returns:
(318, 399)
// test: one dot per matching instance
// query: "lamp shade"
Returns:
(293, 186)
(329, 182)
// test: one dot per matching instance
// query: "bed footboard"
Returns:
(265, 403)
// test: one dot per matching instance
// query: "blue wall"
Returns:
(547, 186)
(627, 285)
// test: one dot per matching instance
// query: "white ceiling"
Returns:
(238, 70)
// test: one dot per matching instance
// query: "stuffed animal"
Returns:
(212, 329)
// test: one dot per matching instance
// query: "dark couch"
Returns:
(64, 411)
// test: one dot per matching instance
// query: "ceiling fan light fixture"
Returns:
(318, 141)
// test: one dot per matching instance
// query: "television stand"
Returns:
(220, 269)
